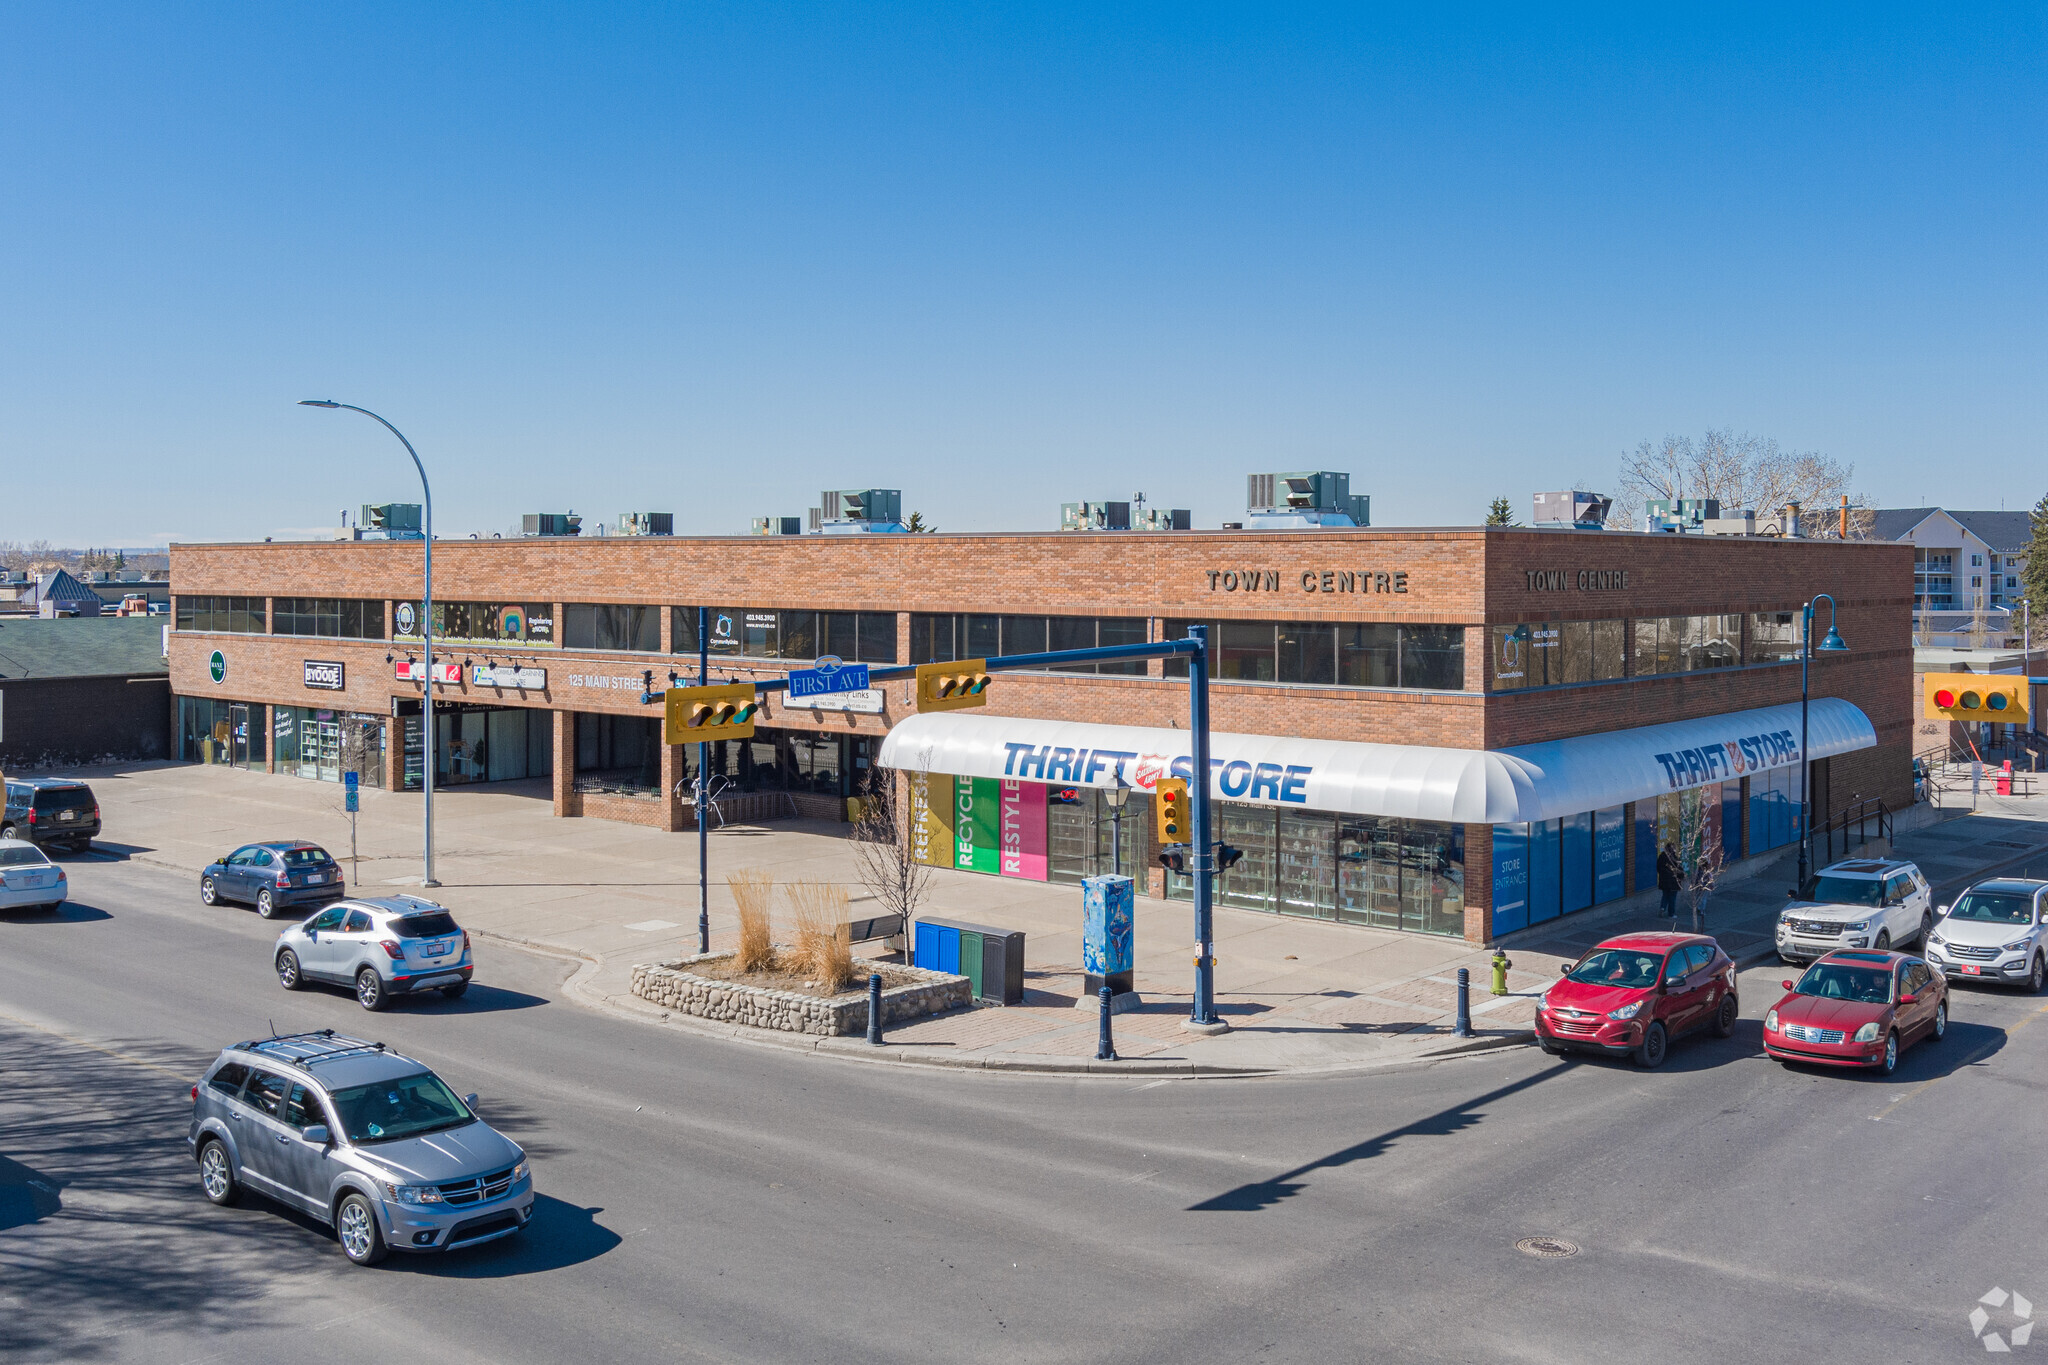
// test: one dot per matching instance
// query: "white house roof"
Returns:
(1466, 786)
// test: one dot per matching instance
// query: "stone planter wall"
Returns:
(672, 985)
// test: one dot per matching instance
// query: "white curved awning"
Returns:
(1467, 786)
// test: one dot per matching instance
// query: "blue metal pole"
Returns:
(1805, 764)
(703, 792)
(1201, 849)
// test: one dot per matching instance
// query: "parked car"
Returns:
(1996, 931)
(394, 945)
(51, 810)
(1877, 903)
(1857, 1007)
(371, 1143)
(273, 876)
(28, 879)
(1632, 995)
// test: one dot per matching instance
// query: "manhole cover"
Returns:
(1547, 1248)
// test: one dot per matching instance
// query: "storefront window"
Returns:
(1548, 653)
(1379, 654)
(591, 625)
(867, 637)
(1375, 870)
(322, 744)
(618, 754)
(224, 732)
(529, 623)
(482, 743)
(781, 760)
(936, 639)
(1682, 644)
(237, 615)
(1774, 637)
(343, 618)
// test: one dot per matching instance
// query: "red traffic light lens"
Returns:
(1943, 697)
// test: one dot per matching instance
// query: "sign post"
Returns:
(351, 801)
(703, 792)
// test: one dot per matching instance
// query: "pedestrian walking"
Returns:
(1669, 870)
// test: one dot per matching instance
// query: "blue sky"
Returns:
(710, 259)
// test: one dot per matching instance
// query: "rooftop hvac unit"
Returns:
(647, 523)
(1095, 516)
(550, 524)
(1313, 498)
(1579, 510)
(1163, 519)
(844, 510)
(1679, 514)
(780, 526)
(392, 520)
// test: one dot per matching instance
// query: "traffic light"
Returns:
(2000, 697)
(1170, 804)
(1174, 859)
(698, 715)
(1226, 857)
(950, 686)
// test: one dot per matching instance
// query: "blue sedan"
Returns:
(273, 876)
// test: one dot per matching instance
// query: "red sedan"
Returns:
(1632, 995)
(1857, 1007)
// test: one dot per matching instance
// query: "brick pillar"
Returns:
(566, 800)
(1475, 659)
(394, 754)
(671, 774)
(1747, 847)
(1478, 883)
(903, 638)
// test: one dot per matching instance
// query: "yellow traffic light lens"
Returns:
(1971, 701)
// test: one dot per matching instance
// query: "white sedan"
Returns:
(28, 879)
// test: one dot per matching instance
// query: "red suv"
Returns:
(1632, 995)
(1857, 1007)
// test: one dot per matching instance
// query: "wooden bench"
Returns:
(888, 927)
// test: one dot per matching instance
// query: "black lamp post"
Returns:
(1832, 643)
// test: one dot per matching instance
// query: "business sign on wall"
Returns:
(867, 702)
(326, 674)
(412, 670)
(506, 675)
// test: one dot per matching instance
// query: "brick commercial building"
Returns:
(1459, 731)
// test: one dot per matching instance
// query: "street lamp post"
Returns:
(426, 631)
(1116, 796)
(1832, 643)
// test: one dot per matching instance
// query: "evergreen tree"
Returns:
(1500, 514)
(2034, 577)
(916, 525)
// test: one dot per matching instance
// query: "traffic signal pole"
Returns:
(703, 792)
(1203, 1013)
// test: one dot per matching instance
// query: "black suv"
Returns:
(51, 810)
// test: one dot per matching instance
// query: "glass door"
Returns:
(238, 734)
(1369, 871)
(326, 745)
(1308, 874)
(1249, 885)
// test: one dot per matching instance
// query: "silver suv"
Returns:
(369, 1142)
(393, 945)
(1881, 903)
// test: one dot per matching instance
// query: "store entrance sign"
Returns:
(326, 674)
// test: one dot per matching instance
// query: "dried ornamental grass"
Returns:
(823, 946)
(752, 890)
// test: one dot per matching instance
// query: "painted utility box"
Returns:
(991, 959)
(1106, 933)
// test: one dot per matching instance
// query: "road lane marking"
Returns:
(183, 1076)
(1990, 1046)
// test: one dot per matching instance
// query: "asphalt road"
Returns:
(704, 1201)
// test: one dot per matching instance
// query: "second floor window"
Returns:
(345, 618)
(242, 615)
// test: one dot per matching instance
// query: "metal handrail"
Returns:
(1862, 817)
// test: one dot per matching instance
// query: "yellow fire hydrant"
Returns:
(1500, 971)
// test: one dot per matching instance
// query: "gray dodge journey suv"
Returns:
(361, 1138)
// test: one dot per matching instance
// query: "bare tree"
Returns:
(1699, 856)
(884, 857)
(1739, 471)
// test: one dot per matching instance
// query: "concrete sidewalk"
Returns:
(1299, 995)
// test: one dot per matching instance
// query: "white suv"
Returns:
(1997, 931)
(1862, 903)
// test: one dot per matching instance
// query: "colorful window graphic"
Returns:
(976, 812)
(1023, 830)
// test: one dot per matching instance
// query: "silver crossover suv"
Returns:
(393, 945)
(363, 1139)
